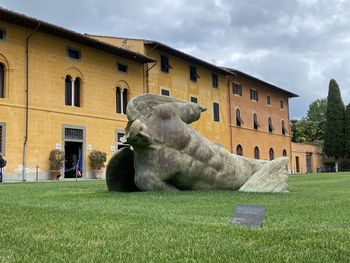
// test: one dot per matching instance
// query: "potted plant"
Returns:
(97, 162)
(56, 161)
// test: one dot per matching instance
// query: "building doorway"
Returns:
(73, 151)
(74, 140)
(309, 162)
(297, 164)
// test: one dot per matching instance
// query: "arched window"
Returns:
(256, 124)
(2, 80)
(72, 91)
(121, 100)
(256, 152)
(270, 124)
(68, 90)
(239, 150)
(284, 153)
(271, 154)
(239, 121)
(77, 92)
(283, 126)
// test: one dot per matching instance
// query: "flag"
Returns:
(78, 169)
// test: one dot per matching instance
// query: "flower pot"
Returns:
(55, 174)
(98, 174)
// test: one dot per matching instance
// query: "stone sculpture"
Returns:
(167, 154)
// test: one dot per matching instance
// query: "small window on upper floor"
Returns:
(164, 64)
(73, 53)
(281, 104)
(2, 34)
(121, 100)
(72, 91)
(254, 94)
(216, 111)
(2, 80)
(268, 100)
(215, 80)
(239, 120)
(194, 100)
(165, 92)
(256, 124)
(237, 89)
(283, 127)
(122, 67)
(193, 74)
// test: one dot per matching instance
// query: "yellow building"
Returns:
(62, 89)
(307, 158)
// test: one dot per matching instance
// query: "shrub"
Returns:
(97, 159)
(56, 159)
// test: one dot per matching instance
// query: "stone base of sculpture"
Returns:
(169, 155)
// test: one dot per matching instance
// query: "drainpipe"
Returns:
(27, 104)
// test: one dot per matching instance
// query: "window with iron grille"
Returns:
(194, 100)
(216, 111)
(71, 133)
(73, 53)
(164, 64)
(254, 94)
(120, 144)
(193, 73)
(215, 80)
(237, 89)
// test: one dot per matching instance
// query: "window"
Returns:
(121, 100)
(73, 53)
(271, 154)
(239, 150)
(165, 92)
(214, 80)
(270, 124)
(122, 67)
(237, 89)
(256, 124)
(268, 100)
(164, 64)
(194, 100)
(284, 153)
(120, 143)
(72, 91)
(2, 81)
(256, 152)
(216, 111)
(2, 34)
(284, 129)
(239, 121)
(193, 74)
(73, 134)
(254, 94)
(281, 104)
(2, 138)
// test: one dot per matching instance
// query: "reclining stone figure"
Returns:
(167, 154)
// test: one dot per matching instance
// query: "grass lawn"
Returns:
(82, 222)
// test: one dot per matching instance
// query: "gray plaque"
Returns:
(249, 215)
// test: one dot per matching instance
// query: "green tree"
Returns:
(347, 131)
(317, 110)
(334, 132)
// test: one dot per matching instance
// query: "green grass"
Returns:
(82, 222)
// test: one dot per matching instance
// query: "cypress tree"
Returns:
(334, 132)
(347, 131)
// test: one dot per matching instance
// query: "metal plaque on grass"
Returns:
(249, 215)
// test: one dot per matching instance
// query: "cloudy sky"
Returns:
(298, 45)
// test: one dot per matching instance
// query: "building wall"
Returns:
(246, 135)
(48, 67)
(300, 151)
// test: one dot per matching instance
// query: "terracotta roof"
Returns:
(45, 27)
(261, 82)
